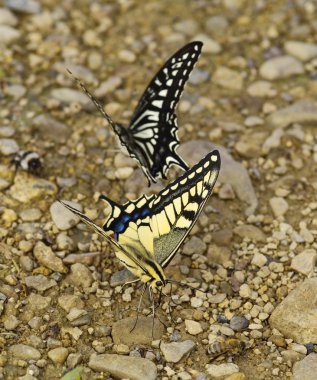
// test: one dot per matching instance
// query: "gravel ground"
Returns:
(253, 95)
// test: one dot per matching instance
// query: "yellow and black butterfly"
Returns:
(147, 232)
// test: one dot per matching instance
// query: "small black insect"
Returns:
(28, 161)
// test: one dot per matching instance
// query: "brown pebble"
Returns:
(278, 340)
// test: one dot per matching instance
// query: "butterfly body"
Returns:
(151, 137)
(147, 232)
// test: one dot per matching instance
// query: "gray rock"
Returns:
(58, 355)
(62, 217)
(261, 88)
(66, 182)
(259, 260)
(124, 367)
(15, 91)
(24, 6)
(193, 327)
(7, 17)
(27, 188)
(37, 302)
(8, 35)
(30, 214)
(8, 146)
(305, 262)
(295, 316)
(228, 78)
(174, 352)
(39, 282)
(302, 50)
(273, 141)
(238, 323)
(68, 95)
(220, 370)
(46, 257)
(281, 67)
(231, 171)
(198, 76)
(188, 27)
(26, 263)
(80, 276)
(69, 301)
(251, 232)
(64, 242)
(11, 322)
(74, 359)
(121, 277)
(279, 206)
(24, 352)
(301, 112)
(194, 245)
(78, 71)
(142, 333)
(51, 129)
(306, 369)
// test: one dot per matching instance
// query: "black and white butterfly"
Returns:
(28, 161)
(151, 137)
(146, 233)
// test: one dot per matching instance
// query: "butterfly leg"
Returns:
(139, 307)
(129, 282)
(153, 310)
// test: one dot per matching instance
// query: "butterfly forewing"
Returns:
(177, 207)
(153, 124)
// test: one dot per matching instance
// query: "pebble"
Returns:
(210, 46)
(7, 17)
(126, 56)
(124, 367)
(259, 260)
(108, 86)
(188, 27)
(75, 313)
(62, 217)
(227, 331)
(216, 24)
(69, 95)
(123, 173)
(142, 334)
(37, 302)
(6, 131)
(8, 35)
(74, 359)
(64, 242)
(26, 263)
(50, 128)
(226, 192)
(228, 78)
(196, 302)
(305, 262)
(253, 121)
(279, 206)
(27, 188)
(16, 91)
(30, 214)
(281, 67)
(58, 355)
(250, 232)
(46, 257)
(80, 276)
(174, 352)
(8, 146)
(305, 369)
(39, 282)
(297, 323)
(24, 352)
(193, 327)
(245, 291)
(304, 51)
(11, 322)
(220, 370)
(273, 141)
(24, 6)
(262, 88)
(301, 112)
(238, 323)
(194, 245)
(198, 76)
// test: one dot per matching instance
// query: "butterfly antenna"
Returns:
(92, 98)
(108, 200)
(183, 284)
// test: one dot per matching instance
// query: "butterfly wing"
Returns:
(177, 207)
(153, 125)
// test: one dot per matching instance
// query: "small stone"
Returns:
(80, 276)
(250, 232)
(24, 6)
(245, 291)
(74, 359)
(302, 50)
(221, 369)
(24, 352)
(193, 327)
(216, 24)
(305, 369)
(227, 78)
(253, 121)
(36, 302)
(58, 355)
(305, 262)
(259, 260)
(226, 192)
(279, 206)
(70, 301)
(281, 67)
(64, 242)
(46, 257)
(123, 173)
(124, 367)
(30, 214)
(238, 323)
(236, 376)
(198, 76)
(227, 331)
(188, 27)
(126, 56)
(108, 86)
(8, 146)
(11, 323)
(75, 313)
(262, 88)
(39, 282)
(26, 263)
(68, 95)
(194, 245)
(8, 35)
(7, 17)
(62, 217)
(174, 352)
(210, 46)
